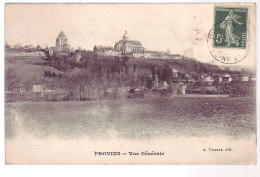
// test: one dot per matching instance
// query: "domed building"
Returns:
(133, 49)
(127, 46)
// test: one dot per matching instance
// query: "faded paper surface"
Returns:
(176, 129)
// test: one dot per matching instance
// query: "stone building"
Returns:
(127, 46)
(134, 49)
(62, 46)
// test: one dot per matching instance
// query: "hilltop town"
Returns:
(126, 70)
(133, 48)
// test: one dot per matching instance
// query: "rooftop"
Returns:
(62, 35)
(132, 42)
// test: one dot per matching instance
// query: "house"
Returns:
(174, 73)
(137, 54)
(182, 88)
(105, 51)
(38, 48)
(207, 79)
(236, 77)
(26, 47)
(226, 78)
(111, 53)
(30, 47)
(37, 89)
(165, 85)
(175, 56)
(252, 78)
(226, 75)
(245, 78)
(7, 46)
(189, 78)
(17, 88)
(78, 56)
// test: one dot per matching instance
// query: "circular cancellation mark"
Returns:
(227, 54)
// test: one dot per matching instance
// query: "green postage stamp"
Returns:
(230, 27)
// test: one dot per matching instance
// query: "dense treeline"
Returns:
(92, 75)
(121, 68)
(93, 72)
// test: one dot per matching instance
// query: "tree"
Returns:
(226, 69)
(244, 72)
(95, 48)
(166, 74)
(77, 80)
(38, 48)
(17, 46)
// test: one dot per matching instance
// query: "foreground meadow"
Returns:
(134, 118)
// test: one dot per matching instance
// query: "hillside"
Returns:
(28, 67)
(249, 69)
(91, 77)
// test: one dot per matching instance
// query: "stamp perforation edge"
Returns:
(248, 26)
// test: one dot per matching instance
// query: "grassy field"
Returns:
(31, 67)
(134, 118)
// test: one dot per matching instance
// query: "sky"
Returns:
(183, 28)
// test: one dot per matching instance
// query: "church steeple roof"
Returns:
(62, 35)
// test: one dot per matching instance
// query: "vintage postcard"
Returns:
(130, 83)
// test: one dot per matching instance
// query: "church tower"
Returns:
(125, 37)
(61, 40)
(62, 43)
(125, 40)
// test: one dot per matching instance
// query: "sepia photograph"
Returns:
(130, 84)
